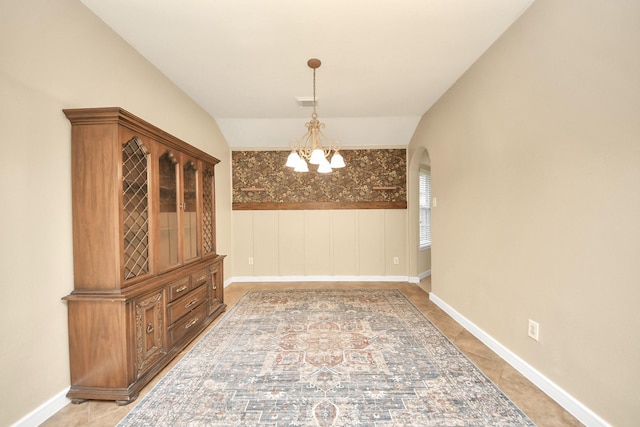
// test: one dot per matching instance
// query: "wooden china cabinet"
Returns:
(147, 277)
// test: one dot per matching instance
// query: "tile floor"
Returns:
(538, 406)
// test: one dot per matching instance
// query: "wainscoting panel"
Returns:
(345, 247)
(291, 243)
(265, 243)
(395, 245)
(242, 233)
(371, 240)
(317, 242)
(345, 243)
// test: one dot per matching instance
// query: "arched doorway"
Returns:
(419, 256)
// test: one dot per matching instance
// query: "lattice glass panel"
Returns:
(208, 226)
(135, 200)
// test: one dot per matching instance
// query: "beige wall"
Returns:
(55, 55)
(320, 243)
(535, 157)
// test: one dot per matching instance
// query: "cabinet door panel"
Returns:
(216, 287)
(189, 211)
(168, 216)
(149, 317)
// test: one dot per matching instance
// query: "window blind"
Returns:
(425, 208)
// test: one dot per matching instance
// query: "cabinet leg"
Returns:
(126, 402)
(77, 401)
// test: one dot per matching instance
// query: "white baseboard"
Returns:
(44, 411)
(564, 399)
(420, 276)
(245, 279)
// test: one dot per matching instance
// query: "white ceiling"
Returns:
(384, 63)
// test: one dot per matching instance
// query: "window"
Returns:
(425, 207)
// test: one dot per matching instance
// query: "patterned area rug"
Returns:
(357, 357)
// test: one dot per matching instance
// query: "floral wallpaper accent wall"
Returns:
(372, 179)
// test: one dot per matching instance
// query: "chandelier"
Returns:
(314, 146)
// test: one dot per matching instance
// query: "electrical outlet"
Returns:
(250, 260)
(534, 330)
(396, 260)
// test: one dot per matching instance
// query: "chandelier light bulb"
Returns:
(324, 166)
(293, 159)
(301, 166)
(317, 156)
(337, 161)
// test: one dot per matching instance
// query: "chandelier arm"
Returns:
(330, 145)
(306, 145)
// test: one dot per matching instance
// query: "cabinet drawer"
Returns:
(189, 325)
(179, 288)
(182, 306)
(199, 277)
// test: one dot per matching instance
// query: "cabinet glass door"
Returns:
(189, 212)
(208, 211)
(168, 218)
(135, 203)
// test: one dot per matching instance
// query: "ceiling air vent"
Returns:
(306, 101)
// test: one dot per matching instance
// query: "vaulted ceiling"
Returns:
(384, 63)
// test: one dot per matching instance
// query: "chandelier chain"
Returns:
(314, 115)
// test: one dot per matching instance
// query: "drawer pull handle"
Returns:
(214, 287)
(181, 288)
(201, 278)
(149, 328)
(190, 303)
(190, 324)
